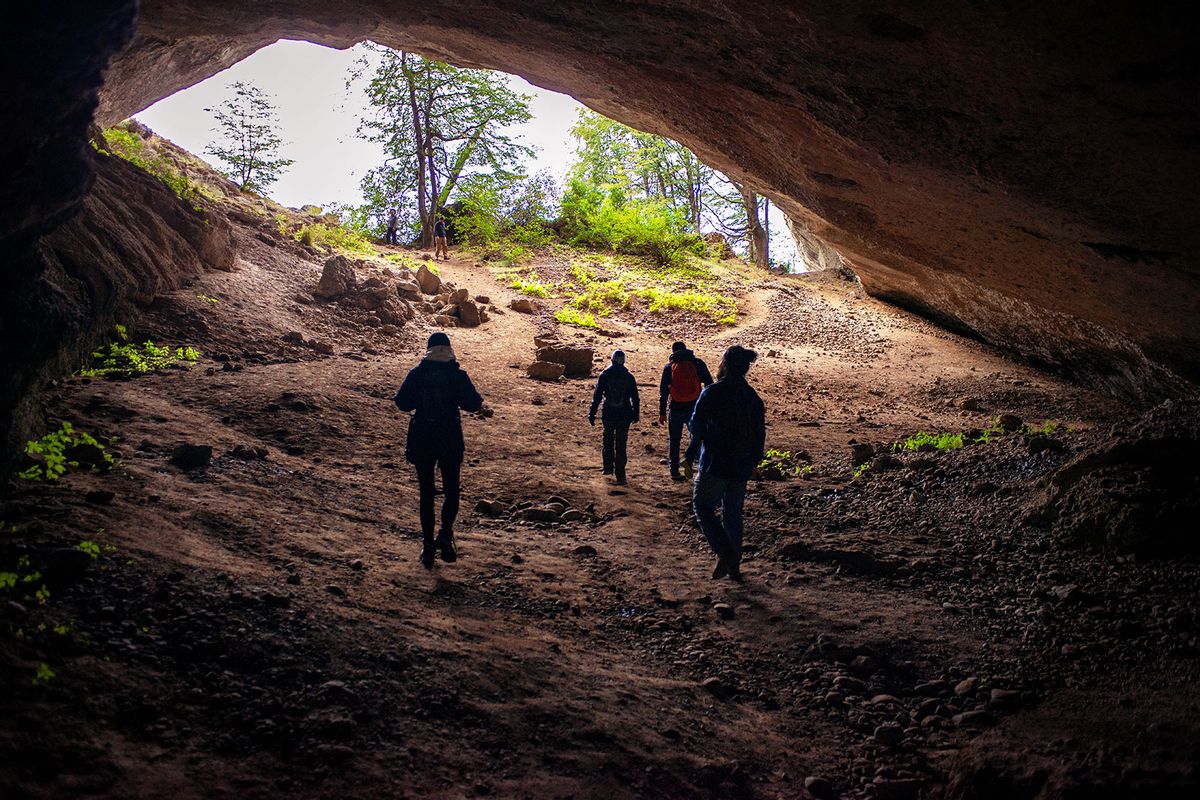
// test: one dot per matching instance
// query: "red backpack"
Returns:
(685, 381)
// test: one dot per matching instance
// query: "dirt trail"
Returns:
(263, 627)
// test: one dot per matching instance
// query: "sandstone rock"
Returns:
(295, 337)
(429, 283)
(483, 299)
(585, 550)
(491, 508)
(394, 311)
(545, 370)
(337, 279)
(523, 305)
(576, 361)
(540, 514)
(724, 610)
(544, 340)
(445, 321)
(409, 290)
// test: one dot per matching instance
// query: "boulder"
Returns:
(523, 305)
(545, 370)
(545, 340)
(483, 299)
(576, 361)
(337, 279)
(394, 311)
(469, 315)
(409, 290)
(191, 456)
(445, 321)
(459, 296)
(429, 283)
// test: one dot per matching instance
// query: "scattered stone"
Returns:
(356, 565)
(572, 515)
(491, 508)
(818, 787)
(337, 279)
(932, 688)
(889, 734)
(715, 686)
(469, 315)
(971, 404)
(324, 348)
(1009, 423)
(861, 454)
(293, 579)
(100, 497)
(541, 514)
(545, 370)
(576, 361)
(483, 299)
(974, 719)
(1042, 444)
(65, 566)
(584, 550)
(191, 456)
(545, 340)
(724, 610)
(295, 337)
(335, 590)
(863, 665)
(246, 452)
(523, 305)
(1004, 699)
(897, 789)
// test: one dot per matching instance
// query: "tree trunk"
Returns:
(756, 233)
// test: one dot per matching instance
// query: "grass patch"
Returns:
(131, 147)
(937, 441)
(531, 286)
(335, 237)
(710, 304)
(124, 359)
(573, 316)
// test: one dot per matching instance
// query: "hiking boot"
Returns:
(675, 476)
(735, 573)
(445, 544)
(608, 470)
(620, 480)
(688, 470)
(427, 554)
(721, 570)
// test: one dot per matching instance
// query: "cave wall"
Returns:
(1025, 171)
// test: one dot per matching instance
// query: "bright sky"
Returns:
(319, 118)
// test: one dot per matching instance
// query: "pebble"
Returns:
(724, 610)
(818, 787)
(889, 734)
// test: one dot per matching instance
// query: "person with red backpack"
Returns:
(683, 378)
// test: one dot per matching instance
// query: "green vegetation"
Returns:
(44, 674)
(779, 465)
(861, 470)
(207, 298)
(63, 449)
(130, 146)
(125, 359)
(335, 237)
(89, 547)
(938, 441)
(531, 286)
(573, 316)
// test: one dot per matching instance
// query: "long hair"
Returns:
(735, 362)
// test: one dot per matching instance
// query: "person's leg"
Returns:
(675, 422)
(621, 436)
(608, 444)
(451, 489)
(706, 494)
(732, 501)
(427, 487)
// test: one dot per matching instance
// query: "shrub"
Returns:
(605, 218)
(719, 307)
(63, 449)
(940, 441)
(337, 237)
(120, 358)
(531, 287)
(129, 146)
(573, 316)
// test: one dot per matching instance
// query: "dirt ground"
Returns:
(262, 627)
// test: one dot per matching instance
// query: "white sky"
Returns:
(319, 118)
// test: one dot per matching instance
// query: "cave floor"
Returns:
(262, 627)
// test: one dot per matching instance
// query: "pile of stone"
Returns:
(554, 510)
(389, 300)
(556, 360)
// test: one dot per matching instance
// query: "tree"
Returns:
(250, 141)
(438, 124)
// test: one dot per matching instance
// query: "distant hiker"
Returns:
(439, 239)
(436, 389)
(682, 380)
(393, 227)
(617, 387)
(729, 432)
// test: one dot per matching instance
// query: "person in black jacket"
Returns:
(435, 390)
(617, 388)
(729, 433)
(683, 378)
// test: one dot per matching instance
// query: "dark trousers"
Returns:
(393, 237)
(616, 438)
(678, 416)
(451, 469)
(724, 532)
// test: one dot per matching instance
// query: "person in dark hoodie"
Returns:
(683, 378)
(617, 388)
(729, 434)
(435, 390)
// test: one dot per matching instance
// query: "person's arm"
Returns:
(664, 390)
(468, 398)
(635, 399)
(406, 397)
(596, 396)
(706, 378)
(700, 421)
(760, 427)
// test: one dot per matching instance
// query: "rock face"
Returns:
(1024, 175)
(429, 283)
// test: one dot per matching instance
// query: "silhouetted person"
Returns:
(683, 378)
(439, 239)
(617, 389)
(393, 226)
(729, 432)
(435, 390)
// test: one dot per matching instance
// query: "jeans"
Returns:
(680, 415)
(616, 439)
(724, 533)
(451, 469)
(392, 237)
